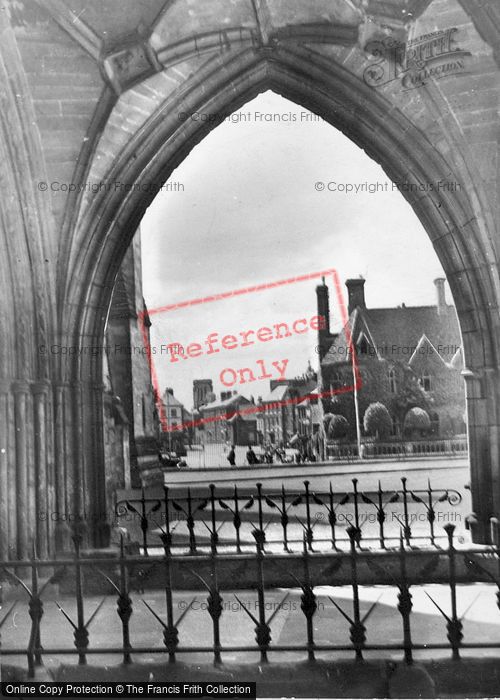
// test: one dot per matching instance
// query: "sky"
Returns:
(261, 199)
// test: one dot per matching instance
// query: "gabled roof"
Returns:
(457, 361)
(430, 350)
(402, 327)
(171, 401)
(227, 403)
(356, 328)
(406, 324)
(277, 394)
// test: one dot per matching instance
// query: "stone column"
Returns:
(42, 515)
(75, 476)
(97, 478)
(479, 455)
(18, 490)
(7, 536)
(492, 391)
(62, 427)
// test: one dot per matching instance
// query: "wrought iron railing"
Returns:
(398, 448)
(231, 519)
(222, 576)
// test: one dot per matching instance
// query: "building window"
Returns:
(434, 423)
(392, 381)
(363, 347)
(425, 382)
(173, 412)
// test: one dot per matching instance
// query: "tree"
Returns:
(417, 420)
(338, 427)
(377, 420)
(410, 394)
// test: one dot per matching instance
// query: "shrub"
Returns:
(377, 420)
(337, 427)
(417, 419)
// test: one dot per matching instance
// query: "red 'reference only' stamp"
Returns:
(215, 343)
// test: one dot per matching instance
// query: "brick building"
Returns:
(407, 356)
(178, 423)
(226, 420)
(287, 410)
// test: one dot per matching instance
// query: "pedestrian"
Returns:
(231, 457)
(251, 456)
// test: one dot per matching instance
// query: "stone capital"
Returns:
(40, 387)
(20, 386)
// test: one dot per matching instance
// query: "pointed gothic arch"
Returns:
(103, 228)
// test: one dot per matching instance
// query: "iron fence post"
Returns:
(405, 603)
(80, 633)
(260, 535)
(308, 603)
(332, 516)
(406, 529)
(170, 632)
(381, 516)
(190, 523)
(237, 519)
(263, 631)
(124, 604)
(454, 625)
(358, 630)
(214, 537)
(284, 518)
(309, 531)
(356, 529)
(431, 513)
(215, 607)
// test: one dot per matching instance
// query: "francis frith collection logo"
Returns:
(433, 55)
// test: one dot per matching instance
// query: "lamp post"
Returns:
(356, 402)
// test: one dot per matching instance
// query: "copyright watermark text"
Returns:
(115, 186)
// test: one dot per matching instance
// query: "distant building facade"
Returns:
(287, 410)
(203, 392)
(224, 420)
(178, 420)
(407, 357)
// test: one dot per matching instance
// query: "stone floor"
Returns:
(438, 678)
(370, 679)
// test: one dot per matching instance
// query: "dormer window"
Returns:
(363, 347)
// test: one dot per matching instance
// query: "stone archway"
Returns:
(403, 151)
(96, 98)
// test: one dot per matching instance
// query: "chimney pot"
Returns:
(356, 293)
(441, 295)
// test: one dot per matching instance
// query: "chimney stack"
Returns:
(322, 295)
(441, 296)
(356, 293)
(202, 390)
